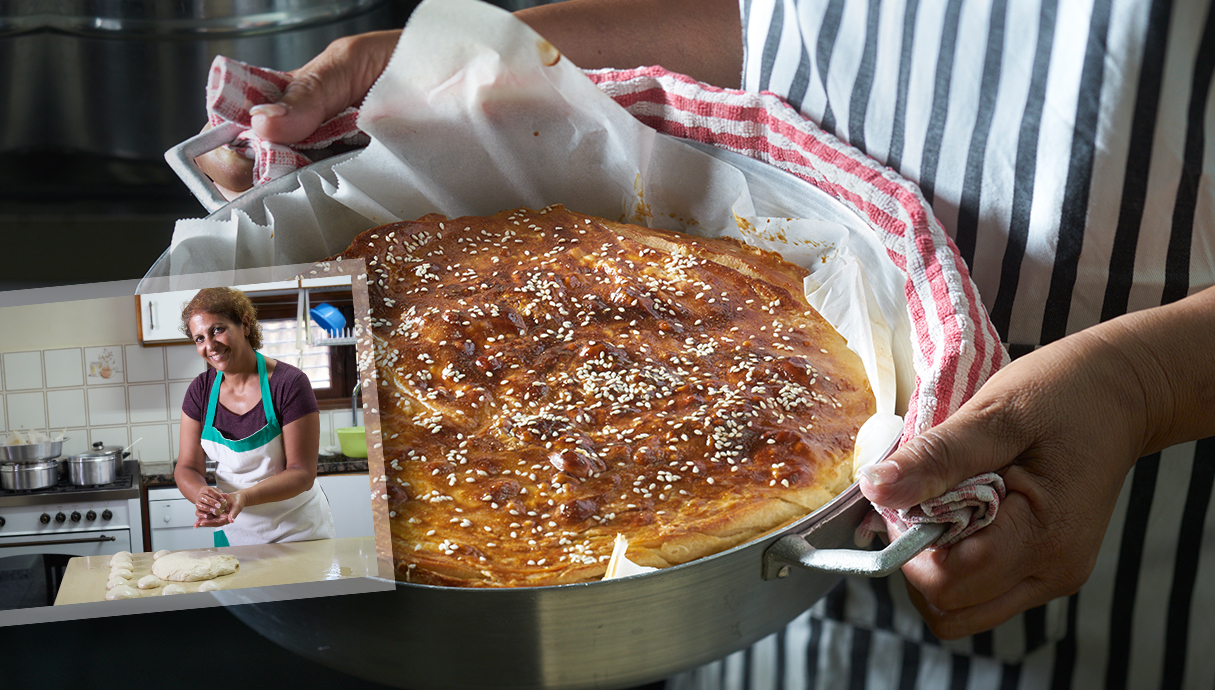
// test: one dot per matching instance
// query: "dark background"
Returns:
(69, 216)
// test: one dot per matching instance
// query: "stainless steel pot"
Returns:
(98, 466)
(130, 77)
(32, 452)
(24, 476)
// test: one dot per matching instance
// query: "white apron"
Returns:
(243, 463)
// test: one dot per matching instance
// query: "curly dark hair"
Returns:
(227, 302)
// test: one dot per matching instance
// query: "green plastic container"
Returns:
(353, 441)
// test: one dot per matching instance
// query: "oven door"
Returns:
(32, 565)
(83, 543)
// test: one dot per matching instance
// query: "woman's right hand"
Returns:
(336, 79)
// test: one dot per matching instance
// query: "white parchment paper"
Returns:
(477, 113)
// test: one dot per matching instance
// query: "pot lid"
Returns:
(100, 451)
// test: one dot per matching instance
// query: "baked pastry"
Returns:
(548, 380)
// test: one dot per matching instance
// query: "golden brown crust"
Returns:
(548, 380)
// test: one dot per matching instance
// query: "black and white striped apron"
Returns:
(1065, 146)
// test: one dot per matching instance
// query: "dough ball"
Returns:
(172, 589)
(122, 572)
(163, 552)
(121, 556)
(191, 566)
(149, 582)
(208, 586)
(124, 562)
(122, 592)
(116, 581)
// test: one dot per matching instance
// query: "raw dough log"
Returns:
(149, 582)
(172, 589)
(191, 566)
(209, 586)
(122, 592)
(157, 556)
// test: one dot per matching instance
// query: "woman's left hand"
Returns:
(1063, 425)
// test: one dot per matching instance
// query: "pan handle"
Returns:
(793, 549)
(181, 159)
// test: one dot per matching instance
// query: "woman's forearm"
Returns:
(289, 483)
(699, 38)
(189, 481)
(1171, 352)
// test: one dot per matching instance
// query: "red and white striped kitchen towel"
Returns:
(957, 347)
(967, 507)
(233, 87)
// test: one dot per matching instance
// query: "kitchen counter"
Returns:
(161, 474)
(260, 565)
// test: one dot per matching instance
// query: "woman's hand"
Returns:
(210, 508)
(221, 512)
(336, 79)
(1063, 425)
(700, 38)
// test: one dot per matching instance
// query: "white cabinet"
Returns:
(160, 317)
(350, 500)
(160, 312)
(171, 519)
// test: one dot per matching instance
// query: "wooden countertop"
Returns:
(260, 565)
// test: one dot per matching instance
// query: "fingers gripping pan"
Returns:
(181, 159)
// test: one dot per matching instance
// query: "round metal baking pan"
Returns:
(611, 634)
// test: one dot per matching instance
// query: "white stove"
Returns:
(64, 521)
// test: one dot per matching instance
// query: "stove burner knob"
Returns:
(44, 518)
(90, 516)
(1, 522)
(106, 514)
(75, 516)
(60, 518)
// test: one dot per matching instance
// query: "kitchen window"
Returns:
(332, 369)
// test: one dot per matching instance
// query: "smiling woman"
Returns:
(258, 419)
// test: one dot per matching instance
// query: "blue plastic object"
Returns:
(329, 318)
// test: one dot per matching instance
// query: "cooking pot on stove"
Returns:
(98, 466)
(31, 452)
(25, 476)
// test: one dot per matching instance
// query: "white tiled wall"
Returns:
(52, 390)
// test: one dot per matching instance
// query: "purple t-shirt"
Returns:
(291, 397)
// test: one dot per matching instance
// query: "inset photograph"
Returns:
(228, 447)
